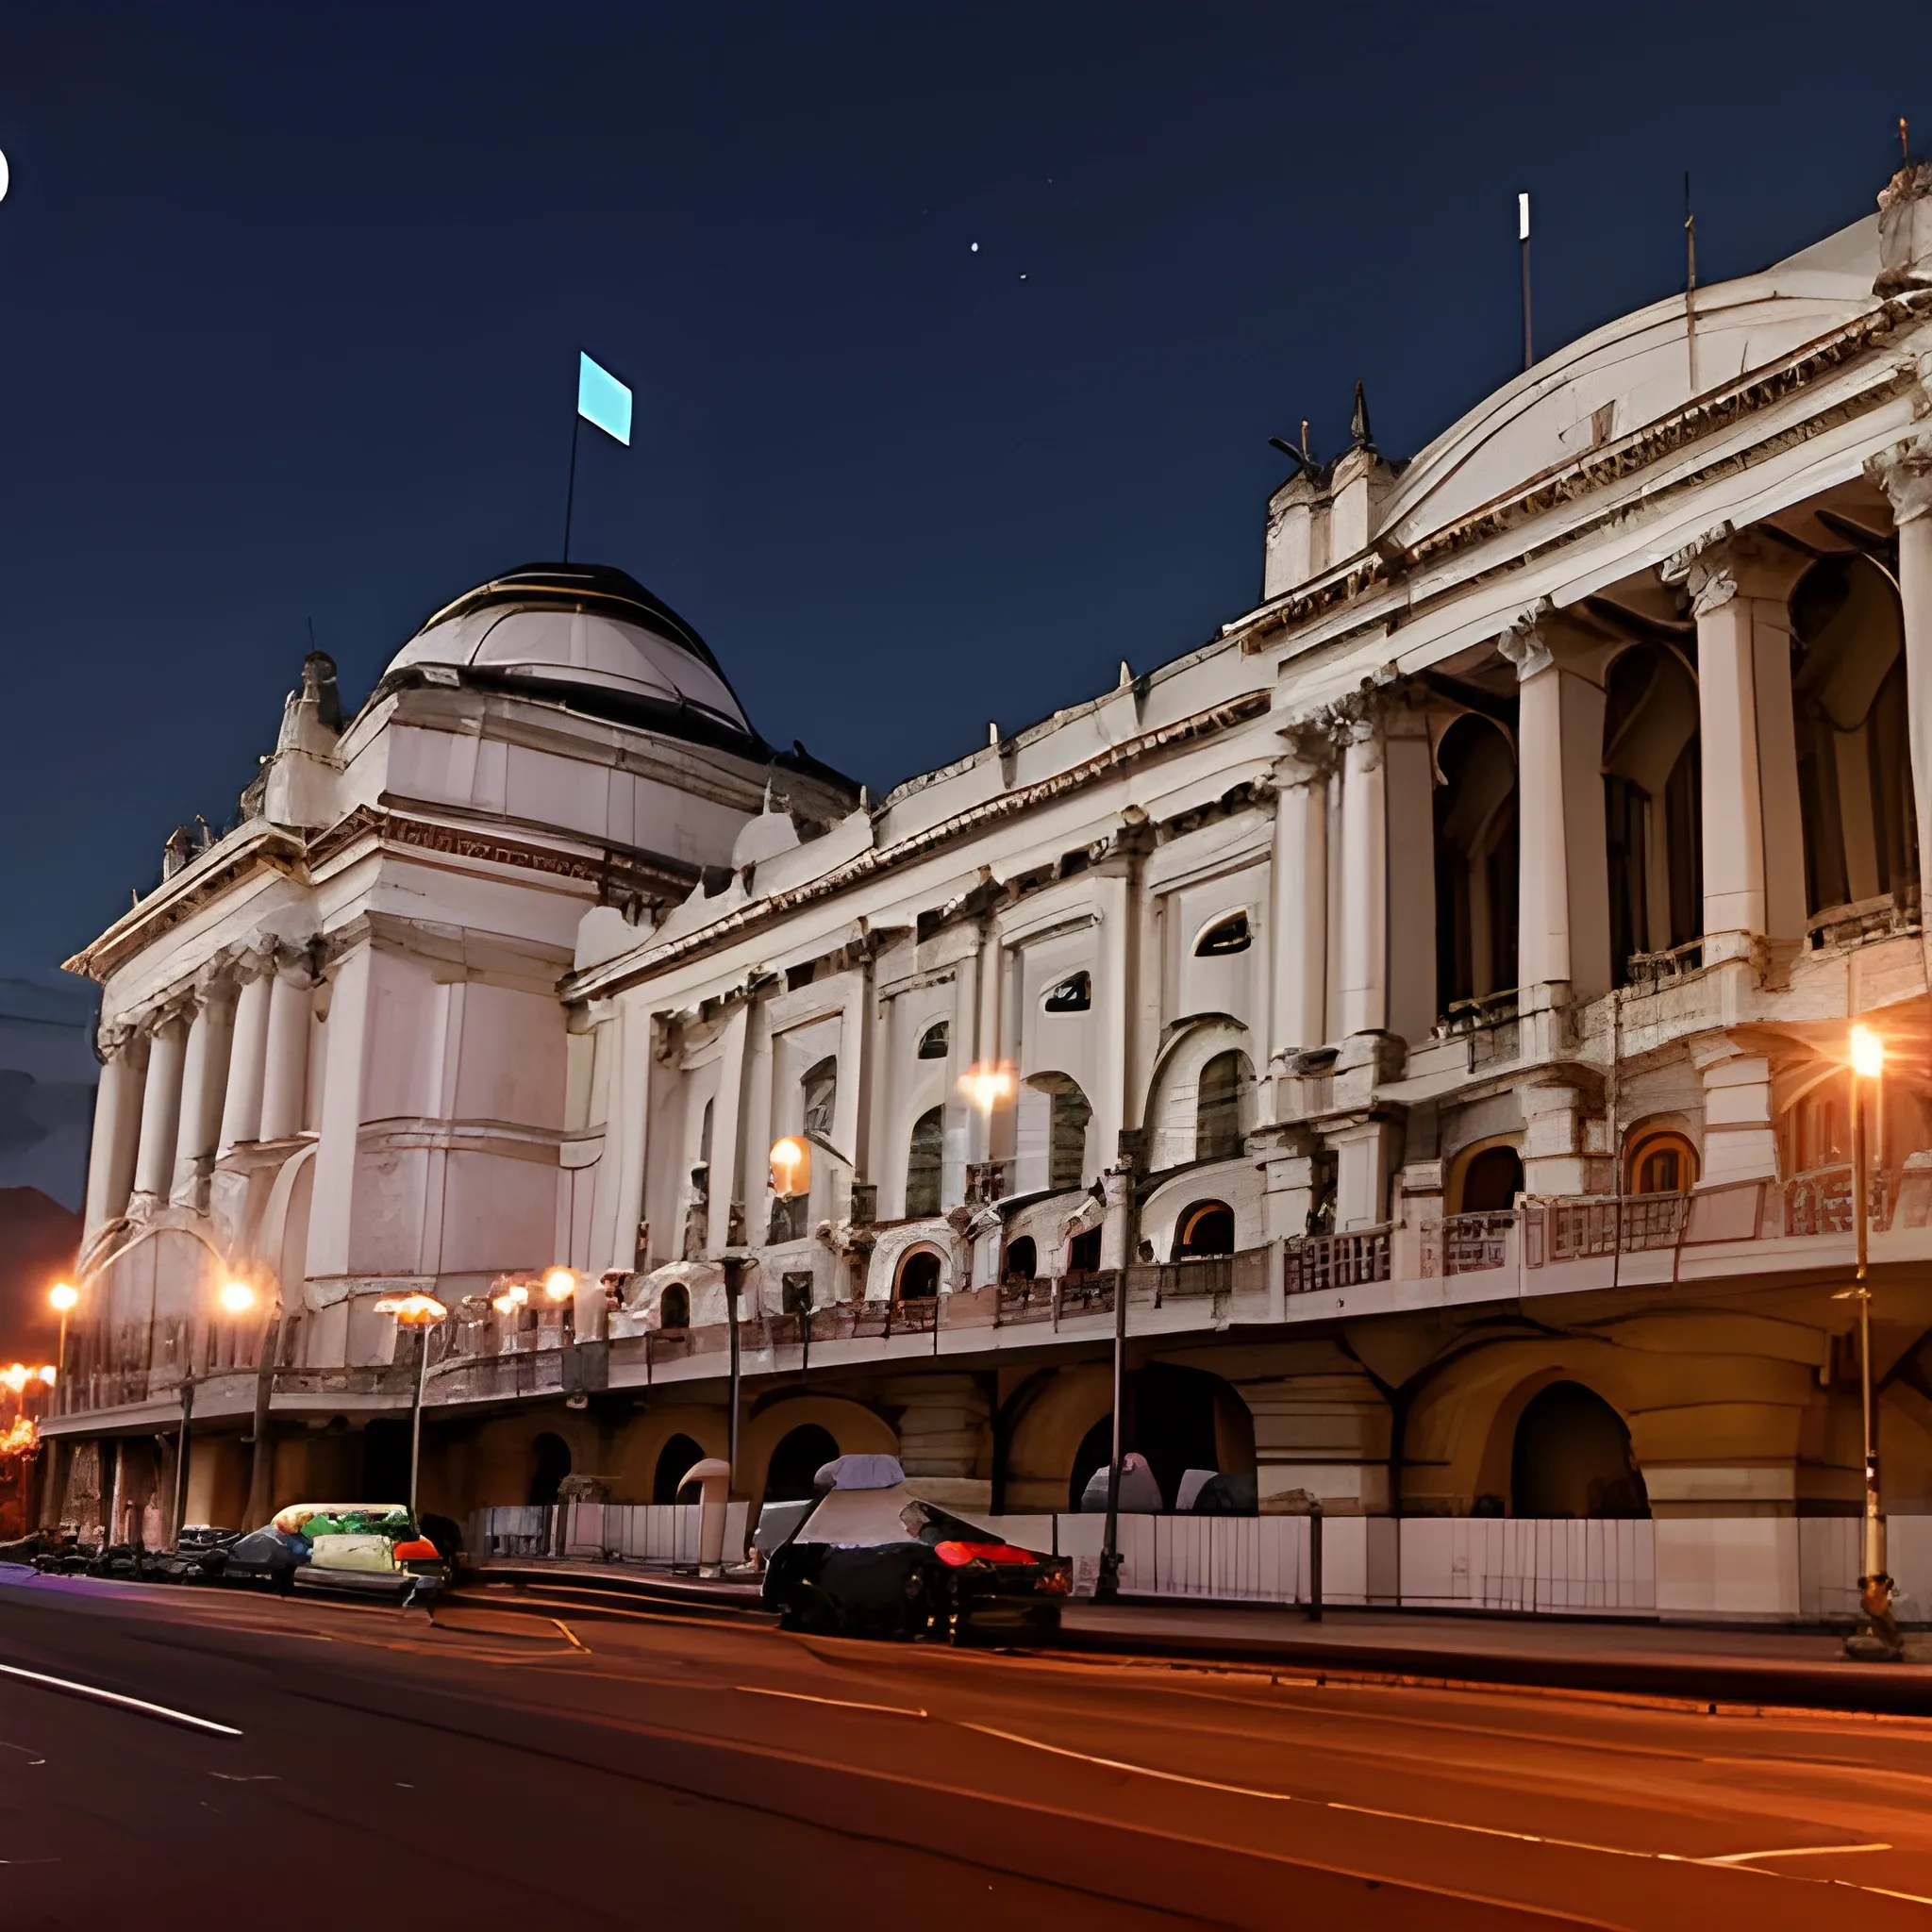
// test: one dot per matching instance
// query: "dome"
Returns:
(584, 628)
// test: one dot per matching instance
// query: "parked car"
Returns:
(364, 1549)
(871, 1560)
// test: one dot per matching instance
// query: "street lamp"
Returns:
(420, 1312)
(63, 1295)
(1874, 1584)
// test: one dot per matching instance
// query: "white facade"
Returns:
(1557, 804)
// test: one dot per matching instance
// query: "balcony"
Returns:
(1319, 1262)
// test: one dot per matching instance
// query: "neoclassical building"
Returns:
(1425, 1003)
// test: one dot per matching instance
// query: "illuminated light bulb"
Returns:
(560, 1284)
(1868, 1053)
(503, 1304)
(986, 1087)
(787, 1154)
(412, 1310)
(50, 1375)
(63, 1295)
(236, 1297)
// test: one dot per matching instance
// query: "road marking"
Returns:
(141, 1704)
(571, 1635)
(1734, 1860)
(843, 1703)
(1791, 1851)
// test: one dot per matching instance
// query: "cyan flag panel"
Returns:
(603, 400)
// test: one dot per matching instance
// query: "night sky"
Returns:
(290, 302)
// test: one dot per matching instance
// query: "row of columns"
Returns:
(223, 1065)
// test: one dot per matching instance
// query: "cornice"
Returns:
(759, 913)
(1593, 474)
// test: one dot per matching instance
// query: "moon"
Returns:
(3, 177)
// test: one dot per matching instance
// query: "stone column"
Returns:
(1300, 894)
(160, 1106)
(202, 1090)
(117, 1128)
(1753, 831)
(1563, 930)
(1740, 1125)
(1365, 882)
(728, 1131)
(285, 1066)
(248, 1056)
(1905, 473)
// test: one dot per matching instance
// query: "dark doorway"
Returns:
(385, 1461)
(1083, 1253)
(1491, 1181)
(1218, 1107)
(1023, 1260)
(799, 1457)
(673, 1307)
(1572, 1458)
(1180, 1418)
(552, 1465)
(676, 1460)
(919, 1275)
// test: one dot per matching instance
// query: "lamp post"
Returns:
(420, 1312)
(1875, 1583)
(63, 1295)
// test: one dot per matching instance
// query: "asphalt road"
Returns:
(297, 1764)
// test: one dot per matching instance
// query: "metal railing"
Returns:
(1821, 1202)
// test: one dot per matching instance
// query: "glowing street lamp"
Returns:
(560, 1284)
(420, 1312)
(64, 1296)
(987, 1085)
(236, 1297)
(1867, 1054)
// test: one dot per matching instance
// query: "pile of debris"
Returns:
(63, 1554)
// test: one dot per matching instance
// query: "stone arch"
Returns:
(1204, 1228)
(918, 1275)
(1849, 702)
(882, 1273)
(1486, 1178)
(1174, 1091)
(676, 1460)
(1571, 1456)
(853, 1429)
(796, 1457)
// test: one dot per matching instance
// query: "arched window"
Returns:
(1218, 1108)
(676, 1462)
(673, 1306)
(1490, 1182)
(552, 1466)
(933, 1042)
(1022, 1260)
(1073, 994)
(1475, 863)
(922, 1164)
(1659, 1162)
(919, 1275)
(1083, 1253)
(1652, 810)
(1206, 1228)
(799, 1457)
(1228, 934)
(1066, 1154)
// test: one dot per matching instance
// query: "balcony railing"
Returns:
(1472, 1242)
(1821, 1202)
(1571, 1230)
(1321, 1261)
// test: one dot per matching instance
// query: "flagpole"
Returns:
(570, 495)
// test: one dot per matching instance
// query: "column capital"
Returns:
(1523, 642)
(1904, 471)
(110, 1043)
(1311, 751)
(1725, 563)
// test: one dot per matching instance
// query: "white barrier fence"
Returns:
(1790, 1568)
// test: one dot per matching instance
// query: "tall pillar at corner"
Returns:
(285, 1071)
(1563, 930)
(1905, 473)
(160, 1106)
(201, 1087)
(117, 1129)
(1299, 948)
(1753, 830)
(1364, 881)
(247, 1057)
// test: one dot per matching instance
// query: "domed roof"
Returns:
(586, 627)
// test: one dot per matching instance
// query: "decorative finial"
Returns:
(1359, 433)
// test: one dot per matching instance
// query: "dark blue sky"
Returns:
(290, 300)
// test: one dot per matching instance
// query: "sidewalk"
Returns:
(1725, 1664)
